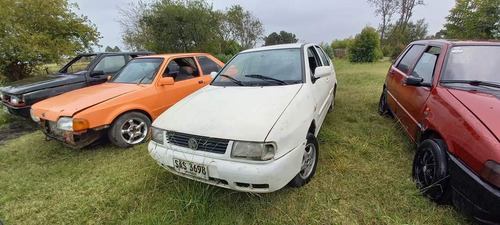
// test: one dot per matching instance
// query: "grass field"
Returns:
(4, 118)
(363, 177)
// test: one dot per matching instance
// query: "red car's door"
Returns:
(413, 98)
(395, 84)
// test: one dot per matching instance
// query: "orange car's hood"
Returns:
(75, 101)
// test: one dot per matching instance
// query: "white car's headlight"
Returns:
(157, 135)
(33, 117)
(65, 123)
(253, 150)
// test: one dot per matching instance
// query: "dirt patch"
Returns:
(16, 129)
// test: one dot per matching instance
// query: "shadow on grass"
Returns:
(16, 128)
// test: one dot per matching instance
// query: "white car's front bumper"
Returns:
(240, 175)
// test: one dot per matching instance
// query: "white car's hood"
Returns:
(235, 113)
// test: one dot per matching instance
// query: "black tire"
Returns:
(129, 129)
(430, 171)
(310, 158)
(383, 107)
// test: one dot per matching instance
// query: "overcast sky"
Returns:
(311, 20)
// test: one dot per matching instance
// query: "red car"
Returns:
(446, 95)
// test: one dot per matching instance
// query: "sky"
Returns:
(310, 20)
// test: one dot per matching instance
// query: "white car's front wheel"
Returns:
(308, 164)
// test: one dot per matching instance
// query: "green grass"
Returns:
(363, 177)
(4, 118)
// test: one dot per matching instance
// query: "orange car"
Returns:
(127, 103)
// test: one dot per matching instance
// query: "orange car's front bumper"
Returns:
(75, 140)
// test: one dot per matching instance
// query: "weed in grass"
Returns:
(363, 177)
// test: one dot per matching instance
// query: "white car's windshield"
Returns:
(473, 66)
(263, 68)
(138, 71)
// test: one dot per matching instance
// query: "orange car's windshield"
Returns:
(138, 71)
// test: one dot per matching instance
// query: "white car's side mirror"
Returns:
(322, 71)
(213, 74)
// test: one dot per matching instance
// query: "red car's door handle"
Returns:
(200, 82)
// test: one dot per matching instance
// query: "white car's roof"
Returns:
(283, 46)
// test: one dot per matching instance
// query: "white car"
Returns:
(254, 128)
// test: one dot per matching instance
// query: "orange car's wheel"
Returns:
(129, 129)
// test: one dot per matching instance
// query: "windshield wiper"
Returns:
(232, 79)
(262, 77)
(154, 72)
(472, 82)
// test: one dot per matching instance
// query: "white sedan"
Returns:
(254, 127)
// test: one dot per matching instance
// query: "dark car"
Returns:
(446, 95)
(82, 71)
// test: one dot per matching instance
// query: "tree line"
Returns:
(189, 26)
(468, 19)
(37, 32)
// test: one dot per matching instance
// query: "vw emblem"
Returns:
(43, 114)
(192, 143)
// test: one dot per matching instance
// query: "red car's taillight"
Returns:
(491, 172)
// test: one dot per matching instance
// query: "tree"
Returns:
(473, 19)
(386, 9)
(181, 26)
(244, 27)
(188, 25)
(37, 32)
(365, 47)
(406, 11)
(344, 43)
(398, 38)
(115, 49)
(282, 38)
(135, 33)
(328, 49)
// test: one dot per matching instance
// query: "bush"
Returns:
(328, 50)
(387, 50)
(223, 57)
(366, 46)
(396, 50)
(341, 44)
(340, 53)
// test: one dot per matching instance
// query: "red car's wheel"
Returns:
(430, 171)
(383, 107)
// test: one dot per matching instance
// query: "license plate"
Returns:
(5, 109)
(191, 168)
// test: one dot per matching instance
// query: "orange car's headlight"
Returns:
(72, 124)
(80, 124)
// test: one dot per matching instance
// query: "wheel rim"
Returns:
(134, 131)
(425, 168)
(308, 160)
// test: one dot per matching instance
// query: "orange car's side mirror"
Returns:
(166, 81)
(109, 77)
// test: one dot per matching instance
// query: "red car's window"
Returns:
(426, 64)
(409, 58)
